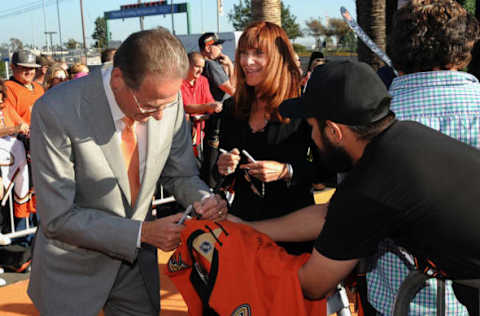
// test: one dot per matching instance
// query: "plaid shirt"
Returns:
(448, 101)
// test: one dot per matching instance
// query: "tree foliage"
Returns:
(469, 5)
(289, 23)
(100, 33)
(315, 29)
(241, 17)
(334, 28)
(72, 44)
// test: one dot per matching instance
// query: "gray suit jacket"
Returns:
(87, 226)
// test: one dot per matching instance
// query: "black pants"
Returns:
(469, 297)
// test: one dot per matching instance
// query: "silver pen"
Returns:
(248, 156)
(185, 215)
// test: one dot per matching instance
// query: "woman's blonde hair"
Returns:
(51, 72)
(77, 68)
(282, 79)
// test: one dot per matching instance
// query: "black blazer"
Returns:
(286, 143)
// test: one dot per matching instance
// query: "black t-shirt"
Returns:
(216, 76)
(416, 186)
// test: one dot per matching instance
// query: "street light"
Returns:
(51, 41)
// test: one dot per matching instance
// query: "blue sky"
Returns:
(29, 26)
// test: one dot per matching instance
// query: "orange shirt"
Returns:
(22, 99)
(234, 270)
(8, 116)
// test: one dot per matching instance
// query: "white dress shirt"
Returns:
(140, 130)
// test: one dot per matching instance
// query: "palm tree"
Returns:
(267, 10)
(371, 17)
(389, 14)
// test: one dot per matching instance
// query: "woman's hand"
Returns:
(267, 170)
(228, 162)
(212, 208)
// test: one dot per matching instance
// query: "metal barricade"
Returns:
(13, 232)
(161, 201)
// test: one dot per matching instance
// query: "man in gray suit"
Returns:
(96, 245)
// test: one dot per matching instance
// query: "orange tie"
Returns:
(130, 155)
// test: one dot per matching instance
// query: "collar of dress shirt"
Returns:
(117, 113)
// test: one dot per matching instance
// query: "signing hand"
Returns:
(228, 162)
(212, 208)
(163, 233)
(266, 170)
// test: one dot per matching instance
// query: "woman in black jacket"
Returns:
(279, 180)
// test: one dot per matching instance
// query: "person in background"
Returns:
(316, 59)
(99, 147)
(14, 167)
(64, 65)
(196, 95)
(78, 70)
(44, 62)
(218, 66)
(107, 55)
(197, 99)
(299, 63)
(55, 75)
(21, 90)
(21, 94)
(279, 182)
(431, 42)
(10, 122)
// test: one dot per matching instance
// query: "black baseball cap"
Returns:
(344, 92)
(209, 39)
(25, 58)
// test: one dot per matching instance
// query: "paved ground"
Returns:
(15, 302)
(12, 277)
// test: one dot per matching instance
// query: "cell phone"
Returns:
(248, 156)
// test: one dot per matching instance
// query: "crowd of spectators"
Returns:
(31, 76)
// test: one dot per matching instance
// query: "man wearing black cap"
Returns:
(22, 91)
(405, 182)
(218, 66)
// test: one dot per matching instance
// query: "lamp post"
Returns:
(83, 31)
(59, 26)
(141, 18)
(51, 41)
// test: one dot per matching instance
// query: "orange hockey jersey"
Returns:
(225, 268)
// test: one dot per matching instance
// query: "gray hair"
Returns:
(151, 51)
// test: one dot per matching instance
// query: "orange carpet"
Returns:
(14, 300)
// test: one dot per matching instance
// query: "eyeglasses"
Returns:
(151, 109)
